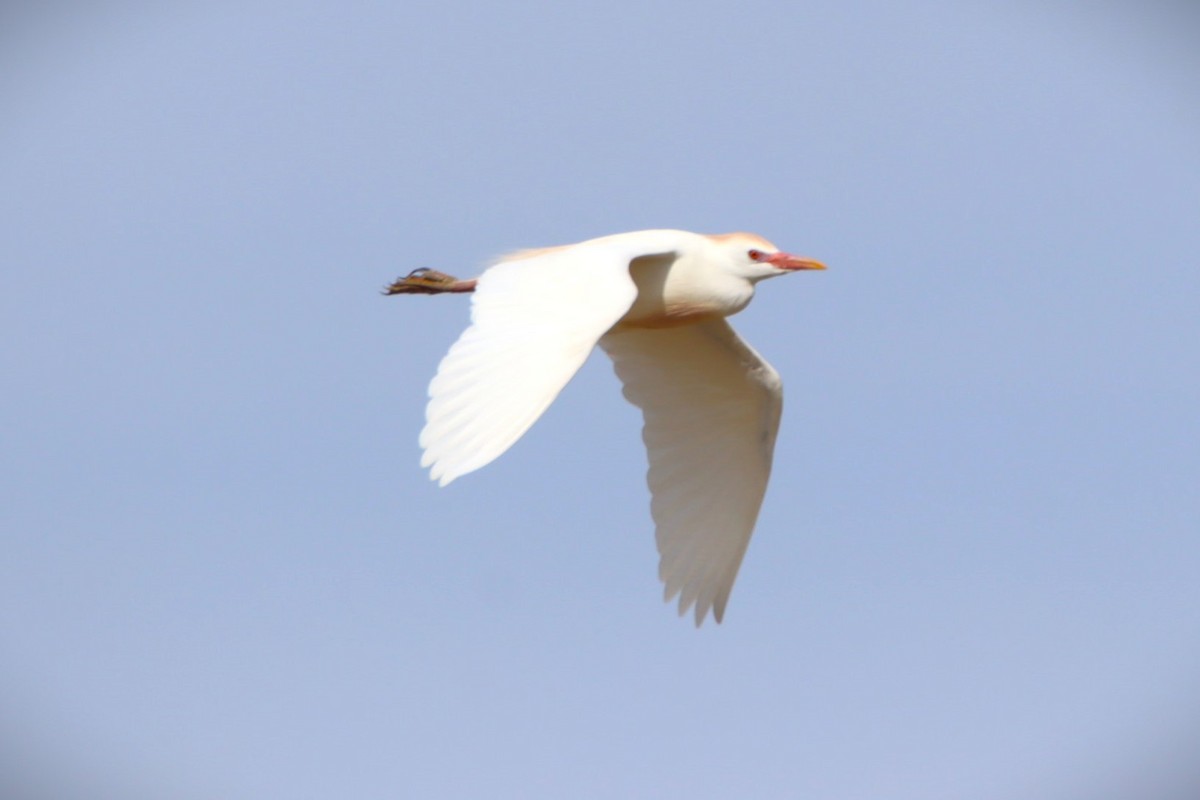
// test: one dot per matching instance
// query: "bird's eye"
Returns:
(755, 255)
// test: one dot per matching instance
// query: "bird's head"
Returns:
(755, 259)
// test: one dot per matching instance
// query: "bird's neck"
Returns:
(680, 291)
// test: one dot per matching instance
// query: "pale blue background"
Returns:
(977, 573)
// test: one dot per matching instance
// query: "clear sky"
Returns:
(223, 574)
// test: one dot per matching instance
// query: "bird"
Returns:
(656, 302)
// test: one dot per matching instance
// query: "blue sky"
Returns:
(224, 574)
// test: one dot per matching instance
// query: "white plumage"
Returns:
(655, 302)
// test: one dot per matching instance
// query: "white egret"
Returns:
(655, 301)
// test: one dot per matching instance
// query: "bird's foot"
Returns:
(428, 281)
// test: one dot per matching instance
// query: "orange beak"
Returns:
(791, 262)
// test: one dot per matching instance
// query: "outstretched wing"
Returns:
(711, 407)
(534, 320)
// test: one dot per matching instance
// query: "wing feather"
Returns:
(534, 320)
(711, 406)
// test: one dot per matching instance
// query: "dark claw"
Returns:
(422, 280)
(429, 281)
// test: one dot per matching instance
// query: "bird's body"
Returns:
(655, 302)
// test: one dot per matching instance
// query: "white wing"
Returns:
(534, 319)
(711, 407)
